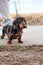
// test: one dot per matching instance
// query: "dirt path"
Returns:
(31, 55)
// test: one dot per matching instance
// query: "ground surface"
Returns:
(28, 53)
(21, 55)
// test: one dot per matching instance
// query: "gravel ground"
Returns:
(21, 55)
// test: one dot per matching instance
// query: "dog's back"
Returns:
(9, 30)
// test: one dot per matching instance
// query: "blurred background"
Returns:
(32, 10)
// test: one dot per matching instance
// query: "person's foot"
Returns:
(20, 41)
(9, 42)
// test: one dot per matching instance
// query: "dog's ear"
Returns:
(15, 22)
(25, 21)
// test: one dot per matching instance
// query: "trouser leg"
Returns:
(4, 10)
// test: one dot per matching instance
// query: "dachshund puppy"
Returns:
(20, 24)
(15, 30)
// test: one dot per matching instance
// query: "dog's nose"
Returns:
(25, 27)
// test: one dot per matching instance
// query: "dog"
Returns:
(15, 30)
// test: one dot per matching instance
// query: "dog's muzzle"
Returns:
(24, 25)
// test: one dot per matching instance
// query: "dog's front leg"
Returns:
(19, 39)
(20, 35)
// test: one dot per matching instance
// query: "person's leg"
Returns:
(4, 10)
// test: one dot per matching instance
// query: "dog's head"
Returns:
(21, 22)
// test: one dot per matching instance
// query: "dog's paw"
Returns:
(9, 42)
(20, 41)
(2, 37)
